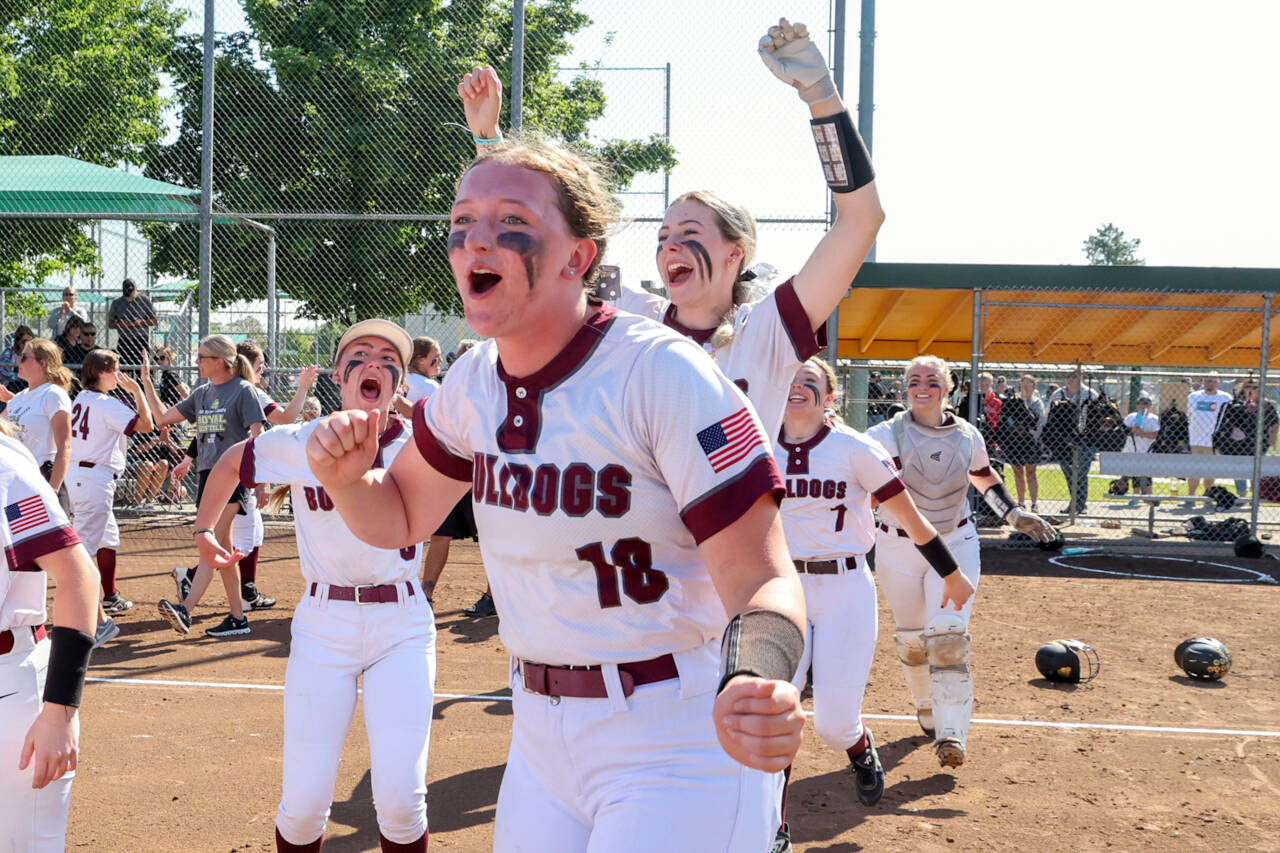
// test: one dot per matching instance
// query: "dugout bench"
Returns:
(1119, 464)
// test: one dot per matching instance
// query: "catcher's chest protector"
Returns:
(935, 466)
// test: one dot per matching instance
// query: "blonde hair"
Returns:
(934, 362)
(582, 188)
(224, 348)
(48, 355)
(6, 427)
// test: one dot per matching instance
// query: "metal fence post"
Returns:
(1259, 448)
(206, 172)
(517, 65)
(273, 318)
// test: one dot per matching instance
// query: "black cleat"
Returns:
(869, 773)
(483, 607)
(782, 841)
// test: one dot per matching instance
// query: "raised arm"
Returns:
(161, 414)
(145, 422)
(481, 94)
(789, 53)
(290, 413)
(387, 508)
(60, 425)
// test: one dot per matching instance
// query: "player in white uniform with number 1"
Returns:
(627, 506)
(939, 456)
(100, 425)
(833, 473)
(363, 619)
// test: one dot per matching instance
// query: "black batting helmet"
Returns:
(1069, 661)
(1203, 657)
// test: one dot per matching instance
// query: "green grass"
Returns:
(1053, 486)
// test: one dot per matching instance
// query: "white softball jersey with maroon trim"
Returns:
(830, 481)
(772, 337)
(32, 525)
(327, 550)
(99, 425)
(593, 481)
(264, 399)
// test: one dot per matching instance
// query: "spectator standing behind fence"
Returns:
(1238, 424)
(9, 378)
(1204, 407)
(876, 391)
(1069, 441)
(58, 317)
(1022, 419)
(132, 316)
(1143, 425)
(68, 341)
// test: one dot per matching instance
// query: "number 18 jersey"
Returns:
(594, 480)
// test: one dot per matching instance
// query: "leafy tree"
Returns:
(346, 106)
(1109, 247)
(80, 78)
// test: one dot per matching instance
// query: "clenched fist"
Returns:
(794, 59)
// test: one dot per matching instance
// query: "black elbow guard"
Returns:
(763, 643)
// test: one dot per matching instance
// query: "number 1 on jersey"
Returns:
(631, 557)
(839, 510)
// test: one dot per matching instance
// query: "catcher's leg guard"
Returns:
(909, 643)
(947, 645)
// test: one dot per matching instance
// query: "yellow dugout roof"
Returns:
(1160, 316)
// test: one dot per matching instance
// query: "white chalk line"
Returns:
(984, 721)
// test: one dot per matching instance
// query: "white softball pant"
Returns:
(246, 530)
(639, 773)
(31, 821)
(840, 643)
(92, 492)
(389, 647)
(911, 586)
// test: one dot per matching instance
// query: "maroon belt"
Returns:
(825, 567)
(587, 682)
(87, 464)
(905, 535)
(7, 637)
(387, 593)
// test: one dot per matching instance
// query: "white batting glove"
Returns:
(1031, 524)
(794, 59)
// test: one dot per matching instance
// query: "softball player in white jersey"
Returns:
(40, 679)
(100, 426)
(705, 244)
(627, 504)
(41, 413)
(939, 456)
(363, 619)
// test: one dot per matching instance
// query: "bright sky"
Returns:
(1005, 131)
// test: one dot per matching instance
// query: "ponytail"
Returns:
(276, 499)
(242, 368)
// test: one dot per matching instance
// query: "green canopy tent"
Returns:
(54, 187)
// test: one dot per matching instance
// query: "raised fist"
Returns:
(793, 58)
(481, 94)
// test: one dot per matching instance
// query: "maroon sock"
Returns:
(283, 846)
(249, 567)
(786, 781)
(107, 568)
(416, 846)
(860, 747)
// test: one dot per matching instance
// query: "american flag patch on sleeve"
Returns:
(730, 440)
(26, 514)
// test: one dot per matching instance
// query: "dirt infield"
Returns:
(194, 765)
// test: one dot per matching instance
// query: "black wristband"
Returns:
(763, 643)
(845, 160)
(999, 499)
(68, 661)
(939, 556)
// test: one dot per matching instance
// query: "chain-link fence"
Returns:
(1148, 413)
(337, 138)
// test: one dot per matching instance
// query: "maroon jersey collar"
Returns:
(700, 336)
(798, 454)
(570, 358)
